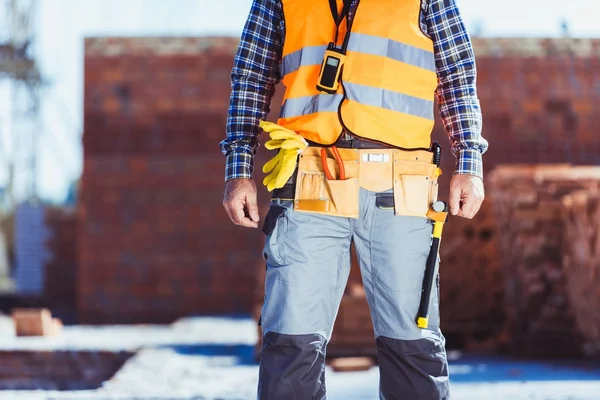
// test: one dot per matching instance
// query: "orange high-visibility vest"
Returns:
(388, 80)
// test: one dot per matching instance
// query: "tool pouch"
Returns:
(411, 175)
(317, 194)
(415, 184)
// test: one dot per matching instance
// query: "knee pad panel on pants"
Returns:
(292, 367)
(413, 369)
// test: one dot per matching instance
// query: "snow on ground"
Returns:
(192, 331)
(211, 358)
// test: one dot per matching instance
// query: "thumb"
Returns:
(252, 207)
(454, 199)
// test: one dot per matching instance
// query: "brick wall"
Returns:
(156, 243)
(155, 111)
(61, 266)
(540, 100)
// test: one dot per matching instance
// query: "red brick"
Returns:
(34, 322)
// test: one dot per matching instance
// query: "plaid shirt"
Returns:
(256, 72)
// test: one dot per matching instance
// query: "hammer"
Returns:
(438, 213)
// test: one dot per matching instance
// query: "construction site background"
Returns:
(143, 237)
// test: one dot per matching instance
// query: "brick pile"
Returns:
(541, 320)
(353, 329)
(581, 260)
(58, 370)
(471, 284)
(155, 242)
(35, 322)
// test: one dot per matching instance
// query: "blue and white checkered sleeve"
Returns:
(254, 76)
(457, 93)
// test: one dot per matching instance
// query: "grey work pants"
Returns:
(308, 263)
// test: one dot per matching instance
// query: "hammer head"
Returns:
(438, 211)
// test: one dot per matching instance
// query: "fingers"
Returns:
(238, 216)
(454, 199)
(252, 206)
(240, 202)
(274, 144)
(272, 163)
(470, 207)
(466, 196)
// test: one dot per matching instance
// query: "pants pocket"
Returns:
(274, 229)
(384, 201)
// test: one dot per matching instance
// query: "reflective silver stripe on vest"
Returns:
(362, 43)
(310, 104)
(390, 100)
(378, 46)
(310, 55)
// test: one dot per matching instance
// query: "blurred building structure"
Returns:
(18, 149)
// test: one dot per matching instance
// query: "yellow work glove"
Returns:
(282, 166)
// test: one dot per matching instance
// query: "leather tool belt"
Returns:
(327, 180)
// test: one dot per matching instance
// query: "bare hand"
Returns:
(240, 202)
(466, 195)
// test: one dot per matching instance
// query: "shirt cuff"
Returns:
(238, 165)
(469, 161)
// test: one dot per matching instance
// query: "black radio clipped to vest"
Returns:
(331, 69)
(335, 57)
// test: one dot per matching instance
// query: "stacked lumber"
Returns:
(528, 204)
(581, 260)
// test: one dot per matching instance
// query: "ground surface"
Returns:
(211, 358)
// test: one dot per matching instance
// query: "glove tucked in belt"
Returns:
(282, 166)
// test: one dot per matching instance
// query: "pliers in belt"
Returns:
(339, 160)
